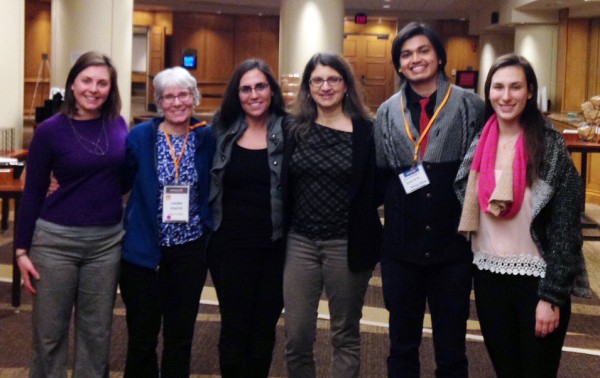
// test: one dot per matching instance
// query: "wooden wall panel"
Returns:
(142, 18)
(269, 42)
(146, 18)
(593, 87)
(462, 52)
(561, 64)
(219, 55)
(576, 65)
(37, 42)
(247, 38)
(223, 41)
(258, 37)
(574, 45)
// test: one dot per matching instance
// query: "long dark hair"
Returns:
(231, 108)
(531, 119)
(414, 29)
(112, 106)
(304, 108)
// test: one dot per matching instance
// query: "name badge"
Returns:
(414, 179)
(176, 204)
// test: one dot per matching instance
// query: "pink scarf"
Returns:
(499, 199)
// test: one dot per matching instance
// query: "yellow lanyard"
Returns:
(407, 126)
(177, 159)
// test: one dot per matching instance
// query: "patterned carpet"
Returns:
(581, 356)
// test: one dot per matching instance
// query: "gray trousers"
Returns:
(311, 266)
(78, 269)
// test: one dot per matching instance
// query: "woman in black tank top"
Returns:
(246, 250)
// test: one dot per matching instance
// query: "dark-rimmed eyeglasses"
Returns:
(259, 88)
(333, 81)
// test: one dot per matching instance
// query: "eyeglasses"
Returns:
(333, 81)
(246, 90)
(169, 99)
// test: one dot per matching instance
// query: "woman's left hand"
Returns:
(547, 317)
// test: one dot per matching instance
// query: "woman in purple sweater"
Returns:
(68, 243)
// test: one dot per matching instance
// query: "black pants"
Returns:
(249, 284)
(171, 295)
(446, 289)
(506, 307)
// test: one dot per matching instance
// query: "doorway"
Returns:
(368, 50)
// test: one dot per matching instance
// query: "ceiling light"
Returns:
(386, 6)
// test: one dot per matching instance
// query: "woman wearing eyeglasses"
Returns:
(246, 250)
(166, 223)
(335, 234)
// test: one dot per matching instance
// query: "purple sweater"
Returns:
(90, 185)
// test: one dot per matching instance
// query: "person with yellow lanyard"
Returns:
(167, 222)
(422, 134)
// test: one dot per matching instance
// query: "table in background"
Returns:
(16, 154)
(584, 148)
(20, 155)
(13, 189)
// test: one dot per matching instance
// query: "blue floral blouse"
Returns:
(171, 234)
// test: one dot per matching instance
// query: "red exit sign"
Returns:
(360, 18)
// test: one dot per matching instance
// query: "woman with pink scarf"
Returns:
(522, 200)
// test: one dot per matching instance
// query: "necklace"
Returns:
(94, 148)
(508, 142)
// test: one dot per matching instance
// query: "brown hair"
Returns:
(112, 106)
(304, 108)
(531, 119)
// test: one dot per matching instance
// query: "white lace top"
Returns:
(505, 246)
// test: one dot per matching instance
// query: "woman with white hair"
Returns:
(166, 223)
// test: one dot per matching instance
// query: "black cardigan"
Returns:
(364, 226)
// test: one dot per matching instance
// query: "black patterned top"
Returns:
(321, 168)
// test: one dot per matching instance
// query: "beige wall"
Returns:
(308, 27)
(491, 47)
(12, 66)
(539, 45)
(104, 26)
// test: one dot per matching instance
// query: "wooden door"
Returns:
(370, 58)
(156, 61)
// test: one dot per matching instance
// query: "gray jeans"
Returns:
(311, 266)
(78, 268)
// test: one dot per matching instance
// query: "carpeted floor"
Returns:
(581, 356)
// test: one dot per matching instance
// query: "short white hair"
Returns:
(175, 77)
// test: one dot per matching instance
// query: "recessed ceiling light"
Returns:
(386, 6)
